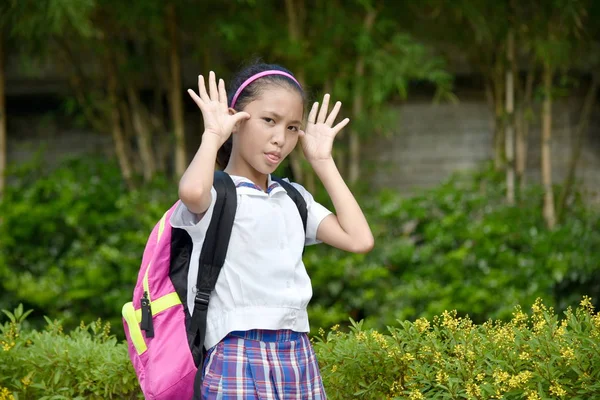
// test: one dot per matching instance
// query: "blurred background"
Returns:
(473, 146)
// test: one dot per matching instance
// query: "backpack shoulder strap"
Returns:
(216, 242)
(212, 257)
(296, 197)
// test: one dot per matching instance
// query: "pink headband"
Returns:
(260, 75)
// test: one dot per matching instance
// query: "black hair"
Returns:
(251, 93)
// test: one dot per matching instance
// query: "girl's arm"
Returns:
(348, 229)
(197, 181)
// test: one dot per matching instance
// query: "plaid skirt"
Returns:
(262, 364)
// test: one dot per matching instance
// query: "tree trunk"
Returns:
(175, 96)
(584, 120)
(295, 35)
(116, 129)
(523, 114)
(129, 135)
(498, 79)
(357, 106)
(163, 144)
(3, 141)
(95, 116)
(548, 211)
(509, 128)
(143, 134)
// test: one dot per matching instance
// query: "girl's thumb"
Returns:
(240, 116)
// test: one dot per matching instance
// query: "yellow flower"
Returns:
(5, 394)
(473, 390)
(567, 353)
(380, 339)
(416, 395)
(519, 317)
(531, 395)
(587, 305)
(459, 350)
(441, 377)
(539, 325)
(408, 357)
(334, 368)
(450, 321)
(26, 381)
(557, 390)
(520, 379)
(396, 389)
(360, 336)
(524, 356)
(422, 325)
(6, 346)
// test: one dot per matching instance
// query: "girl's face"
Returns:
(262, 142)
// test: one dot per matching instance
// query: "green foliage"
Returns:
(72, 238)
(87, 363)
(457, 246)
(533, 356)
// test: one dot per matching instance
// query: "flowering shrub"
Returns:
(534, 355)
(531, 357)
(87, 363)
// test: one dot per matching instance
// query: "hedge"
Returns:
(533, 355)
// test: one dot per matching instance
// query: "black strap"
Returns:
(296, 197)
(214, 251)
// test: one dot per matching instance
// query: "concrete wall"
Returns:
(429, 143)
(432, 141)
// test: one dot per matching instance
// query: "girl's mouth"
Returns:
(273, 158)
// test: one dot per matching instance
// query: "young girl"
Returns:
(257, 324)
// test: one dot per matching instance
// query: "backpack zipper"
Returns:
(146, 323)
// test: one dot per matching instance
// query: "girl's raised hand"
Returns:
(317, 140)
(218, 122)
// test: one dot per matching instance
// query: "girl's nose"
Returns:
(278, 137)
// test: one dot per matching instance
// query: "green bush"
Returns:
(532, 356)
(87, 363)
(72, 239)
(457, 246)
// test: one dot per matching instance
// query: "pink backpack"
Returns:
(165, 340)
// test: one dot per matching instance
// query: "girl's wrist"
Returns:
(210, 141)
(322, 164)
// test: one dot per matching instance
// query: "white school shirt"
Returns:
(263, 283)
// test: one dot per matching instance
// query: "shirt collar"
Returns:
(246, 186)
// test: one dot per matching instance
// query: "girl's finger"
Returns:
(240, 116)
(212, 84)
(222, 92)
(313, 113)
(334, 113)
(196, 98)
(323, 111)
(202, 89)
(340, 126)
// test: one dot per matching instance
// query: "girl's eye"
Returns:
(268, 120)
(293, 128)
